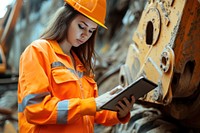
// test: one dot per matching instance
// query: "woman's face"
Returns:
(80, 30)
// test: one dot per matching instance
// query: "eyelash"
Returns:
(81, 27)
(91, 31)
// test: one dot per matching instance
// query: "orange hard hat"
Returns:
(93, 9)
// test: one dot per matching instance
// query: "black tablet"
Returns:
(137, 89)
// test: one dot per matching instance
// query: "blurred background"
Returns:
(155, 38)
(22, 21)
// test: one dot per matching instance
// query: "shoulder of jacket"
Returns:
(40, 42)
(38, 45)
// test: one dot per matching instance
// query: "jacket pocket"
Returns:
(65, 84)
(61, 75)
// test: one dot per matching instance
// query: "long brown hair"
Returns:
(57, 30)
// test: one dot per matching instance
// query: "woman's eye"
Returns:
(80, 26)
(90, 31)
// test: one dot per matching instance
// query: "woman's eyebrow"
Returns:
(87, 24)
(84, 23)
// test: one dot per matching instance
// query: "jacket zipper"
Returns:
(82, 92)
(83, 97)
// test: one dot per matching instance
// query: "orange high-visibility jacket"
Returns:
(53, 96)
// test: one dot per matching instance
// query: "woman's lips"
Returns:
(79, 41)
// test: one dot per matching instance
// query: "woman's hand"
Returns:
(124, 107)
(100, 100)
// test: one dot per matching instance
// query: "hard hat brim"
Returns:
(99, 23)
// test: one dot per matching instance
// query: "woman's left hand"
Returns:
(125, 107)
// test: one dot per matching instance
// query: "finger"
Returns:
(126, 101)
(116, 90)
(132, 100)
(119, 87)
(121, 113)
(120, 110)
(128, 105)
(122, 105)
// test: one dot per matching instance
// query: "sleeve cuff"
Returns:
(88, 106)
(125, 119)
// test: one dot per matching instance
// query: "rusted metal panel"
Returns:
(151, 49)
(165, 49)
(186, 47)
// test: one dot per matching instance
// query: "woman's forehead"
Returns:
(88, 22)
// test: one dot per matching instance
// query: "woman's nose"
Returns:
(84, 35)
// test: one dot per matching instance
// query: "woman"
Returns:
(56, 91)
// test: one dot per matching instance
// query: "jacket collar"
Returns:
(56, 47)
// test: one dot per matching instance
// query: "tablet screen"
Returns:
(138, 89)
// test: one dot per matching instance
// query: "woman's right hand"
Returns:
(100, 100)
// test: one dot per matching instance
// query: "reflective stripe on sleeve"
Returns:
(31, 99)
(62, 112)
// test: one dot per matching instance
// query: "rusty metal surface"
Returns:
(186, 47)
(165, 49)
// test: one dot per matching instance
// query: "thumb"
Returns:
(116, 90)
